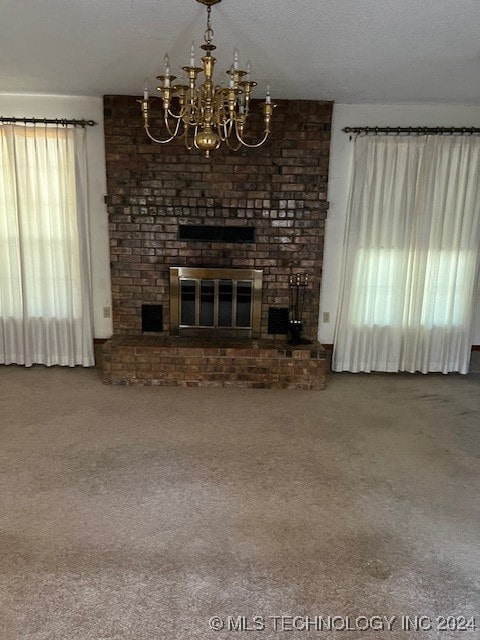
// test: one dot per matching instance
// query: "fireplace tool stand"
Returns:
(298, 284)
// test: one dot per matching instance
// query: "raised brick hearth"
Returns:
(188, 362)
(156, 193)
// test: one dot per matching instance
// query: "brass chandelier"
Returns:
(206, 115)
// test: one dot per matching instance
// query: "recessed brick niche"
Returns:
(279, 190)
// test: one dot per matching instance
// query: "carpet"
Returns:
(142, 513)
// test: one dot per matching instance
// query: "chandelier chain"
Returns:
(209, 33)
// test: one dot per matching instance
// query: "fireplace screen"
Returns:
(216, 300)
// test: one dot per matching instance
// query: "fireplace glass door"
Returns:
(218, 300)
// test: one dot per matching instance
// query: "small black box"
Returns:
(152, 318)
(278, 320)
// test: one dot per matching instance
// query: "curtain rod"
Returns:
(62, 121)
(428, 131)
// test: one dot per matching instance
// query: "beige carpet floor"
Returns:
(140, 513)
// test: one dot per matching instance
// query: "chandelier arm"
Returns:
(192, 113)
(185, 139)
(174, 134)
(231, 146)
(221, 133)
(156, 139)
(254, 146)
(177, 116)
(247, 144)
(193, 144)
(195, 138)
(224, 130)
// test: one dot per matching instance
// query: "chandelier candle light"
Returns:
(206, 115)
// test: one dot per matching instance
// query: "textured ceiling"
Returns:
(354, 51)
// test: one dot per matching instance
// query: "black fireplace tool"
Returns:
(298, 284)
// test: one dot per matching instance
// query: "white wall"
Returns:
(41, 106)
(340, 163)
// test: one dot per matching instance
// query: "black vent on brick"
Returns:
(152, 318)
(203, 233)
(277, 320)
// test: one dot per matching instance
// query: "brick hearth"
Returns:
(193, 362)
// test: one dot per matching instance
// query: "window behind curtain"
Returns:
(45, 294)
(379, 293)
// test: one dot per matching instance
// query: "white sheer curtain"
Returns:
(411, 255)
(45, 287)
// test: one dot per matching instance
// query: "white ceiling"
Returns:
(351, 51)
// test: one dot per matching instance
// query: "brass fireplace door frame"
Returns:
(255, 276)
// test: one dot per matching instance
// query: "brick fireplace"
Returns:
(258, 209)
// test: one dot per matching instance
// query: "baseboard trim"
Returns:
(329, 346)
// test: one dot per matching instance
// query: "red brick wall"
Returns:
(280, 189)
